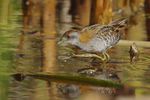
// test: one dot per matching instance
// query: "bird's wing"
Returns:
(116, 27)
(89, 32)
(105, 31)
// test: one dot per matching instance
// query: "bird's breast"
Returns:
(95, 45)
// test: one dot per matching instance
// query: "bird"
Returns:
(96, 38)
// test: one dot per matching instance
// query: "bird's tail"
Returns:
(120, 24)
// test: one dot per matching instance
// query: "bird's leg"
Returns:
(91, 56)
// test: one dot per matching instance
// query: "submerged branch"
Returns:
(69, 78)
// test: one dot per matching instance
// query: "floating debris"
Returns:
(134, 53)
(18, 77)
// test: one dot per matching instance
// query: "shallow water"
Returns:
(119, 69)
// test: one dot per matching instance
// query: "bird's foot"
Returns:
(107, 57)
(103, 59)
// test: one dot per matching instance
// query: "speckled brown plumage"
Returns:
(97, 38)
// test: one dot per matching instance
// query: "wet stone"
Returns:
(90, 71)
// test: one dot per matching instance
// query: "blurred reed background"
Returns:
(29, 30)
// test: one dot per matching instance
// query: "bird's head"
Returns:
(71, 37)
